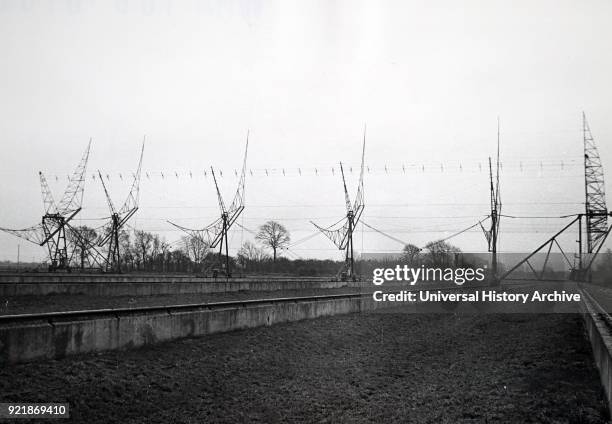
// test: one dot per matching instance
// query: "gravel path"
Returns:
(351, 368)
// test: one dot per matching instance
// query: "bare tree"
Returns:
(143, 243)
(83, 239)
(126, 249)
(441, 253)
(159, 246)
(164, 253)
(411, 255)
(273, 235)
(250, 257)
(155, 245)
(250, 252)
(195, 248)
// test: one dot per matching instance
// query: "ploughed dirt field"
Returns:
(12, 305)
(374, 367)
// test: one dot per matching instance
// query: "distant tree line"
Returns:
(142, 251)
(148, 252)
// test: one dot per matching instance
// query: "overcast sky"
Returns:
(429, 78)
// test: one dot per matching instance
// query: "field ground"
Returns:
(74, 302)
(374, 367)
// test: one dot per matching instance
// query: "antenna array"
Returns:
(341, 233)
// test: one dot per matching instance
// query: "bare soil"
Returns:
(372, 367)
(77, 302)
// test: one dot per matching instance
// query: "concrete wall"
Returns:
(59, 337)
(160, 285)
(601, 342)
(72, 277)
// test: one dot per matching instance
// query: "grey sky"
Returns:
(429, 78)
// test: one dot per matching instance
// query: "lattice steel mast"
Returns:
(216, 234)
(596, 211)
(596, 216)
(119, 218)
(55, 221)
(342, 237)
(492, 233)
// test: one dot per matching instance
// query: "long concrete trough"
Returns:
(598, 325)
(55, 335)
(148, 285)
